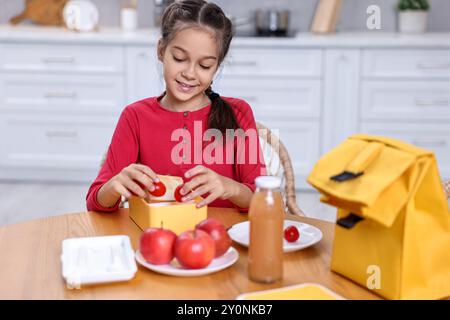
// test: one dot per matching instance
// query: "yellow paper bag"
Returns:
(393, 222)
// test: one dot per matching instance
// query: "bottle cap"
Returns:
(268, 182)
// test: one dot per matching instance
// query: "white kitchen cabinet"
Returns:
(61, 93)
(302, 140)
(284, 88)
(431, 136)
(144, 78)
(397, 63)
(50, 147)
(274, 62)
(406, 100)
(275, 97)
(59, 104)
(341, 96)
(30, 57)
(406, 95)
(54, 141)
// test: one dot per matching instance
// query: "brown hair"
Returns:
(198, 13)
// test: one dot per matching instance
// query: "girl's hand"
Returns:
(134, 179)
(207, 181)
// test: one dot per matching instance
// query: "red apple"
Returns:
(219, 234)
(157, 244)
(194, 249)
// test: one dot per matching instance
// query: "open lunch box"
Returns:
(164, 212)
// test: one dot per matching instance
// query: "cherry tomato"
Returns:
(160, 189)
(291, 234)
(177, 195)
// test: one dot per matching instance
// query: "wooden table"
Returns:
(30, 266)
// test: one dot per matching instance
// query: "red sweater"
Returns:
(144, 135)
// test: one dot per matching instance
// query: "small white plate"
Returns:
(174, 268)
(309, 235)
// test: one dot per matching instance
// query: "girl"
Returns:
(196, 36)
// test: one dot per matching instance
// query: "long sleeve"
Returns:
(123, 151)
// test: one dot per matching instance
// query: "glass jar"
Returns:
(266, 215)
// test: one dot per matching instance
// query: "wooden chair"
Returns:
(446, 185)
(278, 163)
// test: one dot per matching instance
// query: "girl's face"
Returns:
(190, 61)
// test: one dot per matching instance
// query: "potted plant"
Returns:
(413, 15)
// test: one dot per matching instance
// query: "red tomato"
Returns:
(291, 234)
(177, 195)
(160, 189)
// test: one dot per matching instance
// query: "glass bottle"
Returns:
(266, 215)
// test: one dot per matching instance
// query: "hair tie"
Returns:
(213, 96)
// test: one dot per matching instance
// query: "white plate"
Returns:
(90, 260)
(309, 235)
(174, 268)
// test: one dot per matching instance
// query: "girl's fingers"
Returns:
(197, 192)
(194, 183)
(123, 191)
(149, 172)
(134, 188)
(207, 200)
(195, 171)
(143, 179)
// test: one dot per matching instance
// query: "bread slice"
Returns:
(171, 183)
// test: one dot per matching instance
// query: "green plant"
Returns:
(413, 5)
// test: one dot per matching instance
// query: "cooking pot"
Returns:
(272, 22)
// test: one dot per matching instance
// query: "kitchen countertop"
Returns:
(115, 36)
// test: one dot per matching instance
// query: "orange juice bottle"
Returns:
(266, 215)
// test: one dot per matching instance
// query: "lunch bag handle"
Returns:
(360, 163)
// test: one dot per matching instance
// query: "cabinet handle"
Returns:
(71, 95)
(143, 55)
(59, 60)
(433, 65)
(343, 58)
(61, 134)
(437, 102)
(430, 143)
(250, 99)
(244, 63)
